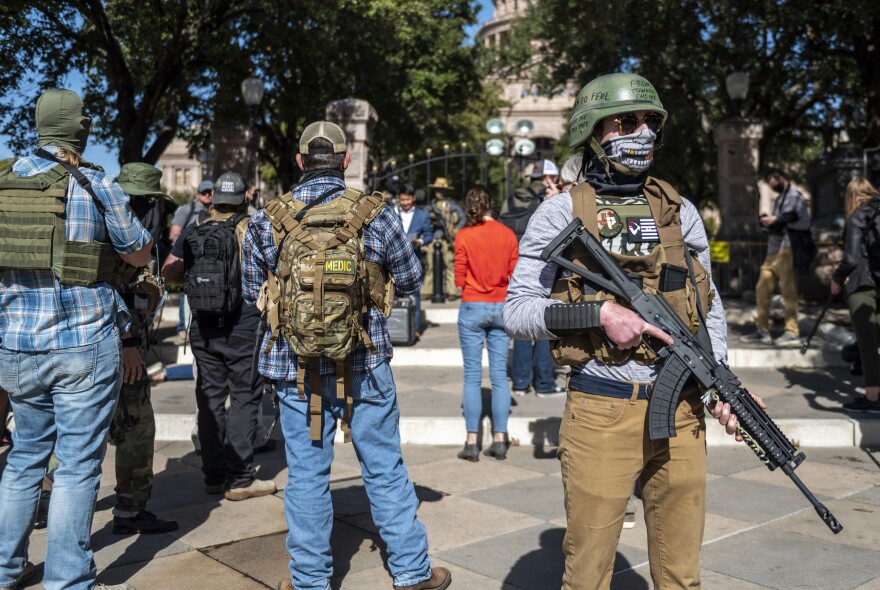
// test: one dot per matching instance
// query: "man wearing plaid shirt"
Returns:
(374, 416)
(60, 361)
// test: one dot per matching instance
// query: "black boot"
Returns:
(144, 523)
(470, 453)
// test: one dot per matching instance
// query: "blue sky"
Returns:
(102, 156)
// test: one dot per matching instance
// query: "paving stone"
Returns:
(541, 458)
(530, 559)
(262, 558)
(752, 501)
(715, 581)
(462, 579)
(454, 476)
(186, 570)
(861, 524)
(541, 497)
(454, 521)
(223, 521)
(729, 460)
(784, 560)
(823, 479)
(869, 496)
(854, 458)
(350, 498)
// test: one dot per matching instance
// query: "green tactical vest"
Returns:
(32, 213)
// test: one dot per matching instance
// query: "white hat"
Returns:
(544, 168)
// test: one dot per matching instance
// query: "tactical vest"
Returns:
(323, 289)
(664, 270)
(449, 217)
(32, 219)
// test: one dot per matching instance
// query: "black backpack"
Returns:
(872, 238)
(212, 279)
(517, 218)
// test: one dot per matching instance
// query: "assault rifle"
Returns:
(682, 360)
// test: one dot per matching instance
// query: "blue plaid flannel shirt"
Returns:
(37, 313)
(385, 243)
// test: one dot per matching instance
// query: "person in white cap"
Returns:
(543, 177)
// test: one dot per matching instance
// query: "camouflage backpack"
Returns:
(323, 288)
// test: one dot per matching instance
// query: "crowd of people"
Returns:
(295, 296)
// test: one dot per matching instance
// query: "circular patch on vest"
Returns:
(609, 223)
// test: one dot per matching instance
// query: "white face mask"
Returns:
(634, 151)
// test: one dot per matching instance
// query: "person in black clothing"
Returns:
(854, 277)
(223, 346)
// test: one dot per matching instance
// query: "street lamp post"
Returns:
(512, 144)
(252, 90)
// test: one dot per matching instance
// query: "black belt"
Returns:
(608, 387)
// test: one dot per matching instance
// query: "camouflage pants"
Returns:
(448, 268)
(133, 432)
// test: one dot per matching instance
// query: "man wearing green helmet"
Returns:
(650, 230)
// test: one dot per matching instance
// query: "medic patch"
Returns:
(339, 266)
(641, 229)
(609, 223)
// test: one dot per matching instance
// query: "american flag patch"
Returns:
(641, 229)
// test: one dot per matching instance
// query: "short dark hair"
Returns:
(407, 189)
(321, 156)
(775, 173)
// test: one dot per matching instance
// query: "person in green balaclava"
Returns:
(62, 319)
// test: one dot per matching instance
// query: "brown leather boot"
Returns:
(440, 579)
(285, 584)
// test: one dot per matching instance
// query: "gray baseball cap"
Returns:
(229, 189)
(205, 185)
(325, 130)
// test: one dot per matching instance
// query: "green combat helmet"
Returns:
(609, 95)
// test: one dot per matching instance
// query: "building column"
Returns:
(235, 150)
(738, 198)
(357, 118)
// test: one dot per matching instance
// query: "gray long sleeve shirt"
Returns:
(529, 290)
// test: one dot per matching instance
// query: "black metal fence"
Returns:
(458, 168)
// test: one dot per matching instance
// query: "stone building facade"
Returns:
(549, 114)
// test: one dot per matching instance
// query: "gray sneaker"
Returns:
(787, 340)
(758, 336)
(629, 521)
(113, 587)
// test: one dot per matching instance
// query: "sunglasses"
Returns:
(629, 122)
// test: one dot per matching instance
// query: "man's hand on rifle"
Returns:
(625, 328)
(727, 419)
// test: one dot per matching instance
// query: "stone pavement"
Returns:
(499, 525)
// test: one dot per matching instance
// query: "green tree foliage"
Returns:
(147, 67)
(408, 59)
(814, 69)
(162, 69)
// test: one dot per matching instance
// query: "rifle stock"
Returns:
(685, 359)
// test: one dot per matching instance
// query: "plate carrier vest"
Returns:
(32, 219)
(665, 205)
(323, 289)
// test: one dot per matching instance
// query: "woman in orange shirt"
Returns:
(485, 256)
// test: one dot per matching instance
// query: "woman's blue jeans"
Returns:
(62, 399)
(479, 322)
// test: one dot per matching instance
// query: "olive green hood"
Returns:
(60, 120)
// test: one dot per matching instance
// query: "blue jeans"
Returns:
(64, 399)
(307, 504)
(478, 322)
(523, 357)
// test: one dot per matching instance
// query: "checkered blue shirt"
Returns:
(37, 313)
(385, 243)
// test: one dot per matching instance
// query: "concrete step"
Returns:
(434, 430)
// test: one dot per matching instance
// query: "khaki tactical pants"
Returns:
(604, 447)
(778, 268)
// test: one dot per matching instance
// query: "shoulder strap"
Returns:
(80, 178)
(583, 206)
